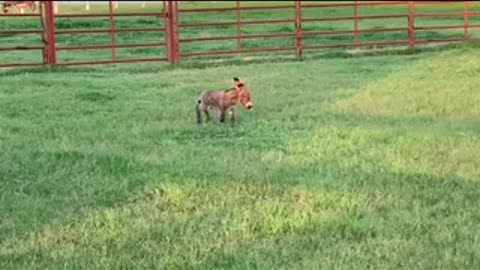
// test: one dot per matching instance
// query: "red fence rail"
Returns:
(172, 30)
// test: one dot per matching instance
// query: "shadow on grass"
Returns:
(317, 55)
(204, 62)
(396, 122)
(351, 208)
(325, 176)
(245, 132)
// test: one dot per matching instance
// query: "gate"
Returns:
(50, 47)
(176, 29)
(16, 49)
(299, 16)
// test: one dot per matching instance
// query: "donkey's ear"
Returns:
(236, 81)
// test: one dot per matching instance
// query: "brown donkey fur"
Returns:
(18, 5)
(224, 101)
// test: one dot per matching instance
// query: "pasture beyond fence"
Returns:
(174, 24)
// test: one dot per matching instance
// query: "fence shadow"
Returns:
(209, 62)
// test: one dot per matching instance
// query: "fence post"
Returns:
(172, 32)
(112, 29)
(48, 23)
(298, 29)
(411, 23)
(41, 10)
(465, 20)
(177, 36)
(239, 30)
(166, 33)
(355, 23)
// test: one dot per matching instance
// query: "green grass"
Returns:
(345, 162)
(349, 159)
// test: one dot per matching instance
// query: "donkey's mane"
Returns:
(233, 88)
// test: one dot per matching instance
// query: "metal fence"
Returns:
(171, 25)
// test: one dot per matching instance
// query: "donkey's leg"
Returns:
(199, 113)
(222, 116)
(207, 114)
(232, 116)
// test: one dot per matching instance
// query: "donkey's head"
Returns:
(4, 8)
(243, 94)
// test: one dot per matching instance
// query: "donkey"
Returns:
(224, 101)
(18, 5)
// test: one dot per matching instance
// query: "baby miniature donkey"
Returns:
(224, 101)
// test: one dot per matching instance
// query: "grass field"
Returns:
(347, 161)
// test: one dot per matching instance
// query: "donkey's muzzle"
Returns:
(249, 105)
